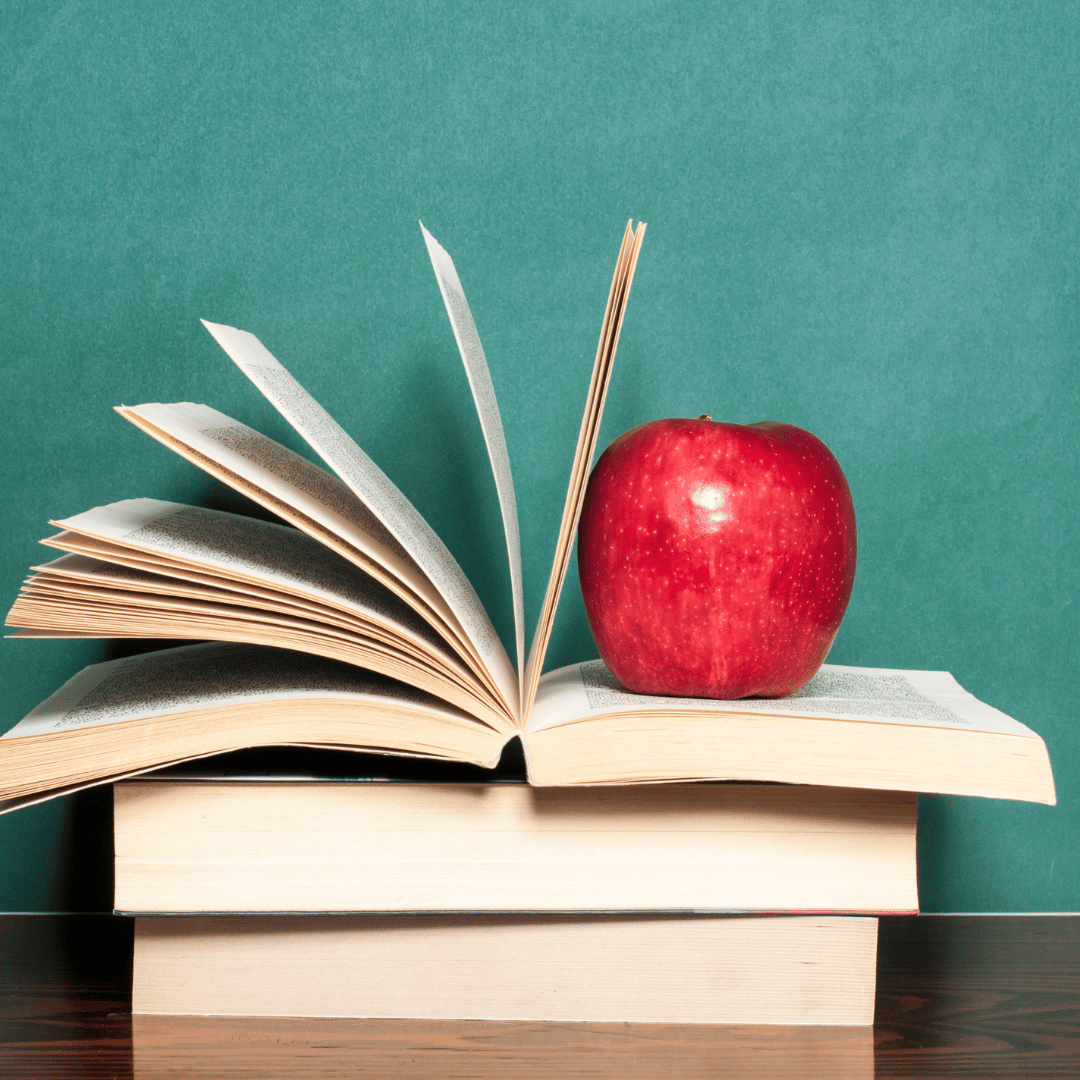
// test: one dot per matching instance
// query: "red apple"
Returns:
(716, 560)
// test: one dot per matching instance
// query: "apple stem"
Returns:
(704, 416)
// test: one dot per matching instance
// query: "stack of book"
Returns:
(278, 894)
(651, 859)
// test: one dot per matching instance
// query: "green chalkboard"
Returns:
(863, 219)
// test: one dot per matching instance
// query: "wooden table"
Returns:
(972, 996)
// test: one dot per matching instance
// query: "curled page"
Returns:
(210, 675)
(139, 712)
(586, 446)
(836, 692)
(378, 493)
(487, 408)
(298, 490)
(244, 549)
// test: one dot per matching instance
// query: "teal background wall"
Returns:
(863, 219)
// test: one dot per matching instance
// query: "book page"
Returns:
(487, 408)
(586, 447)
(871, 695)
(209, 676)
(377, 492)
(321, 505)
(80, 596)
(20, 802)
(252, 550)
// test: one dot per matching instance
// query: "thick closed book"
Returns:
(702, 969)
(322, 845)
(349, 623)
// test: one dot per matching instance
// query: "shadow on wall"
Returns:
(82, 870)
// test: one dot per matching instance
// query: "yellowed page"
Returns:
(249, 550)
(586, 447)
(323, 506)
(149, 710)
(77, 595)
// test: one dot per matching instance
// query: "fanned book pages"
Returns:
(353, 626)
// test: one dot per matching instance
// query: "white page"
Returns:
(283, 474)
(248, 457)
(209, 676)
(377, 492)
(254, 550)
(871, 695)
(487, 408)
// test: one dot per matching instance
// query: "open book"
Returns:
(356, 628)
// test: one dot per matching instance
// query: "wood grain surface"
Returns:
(958, 996)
